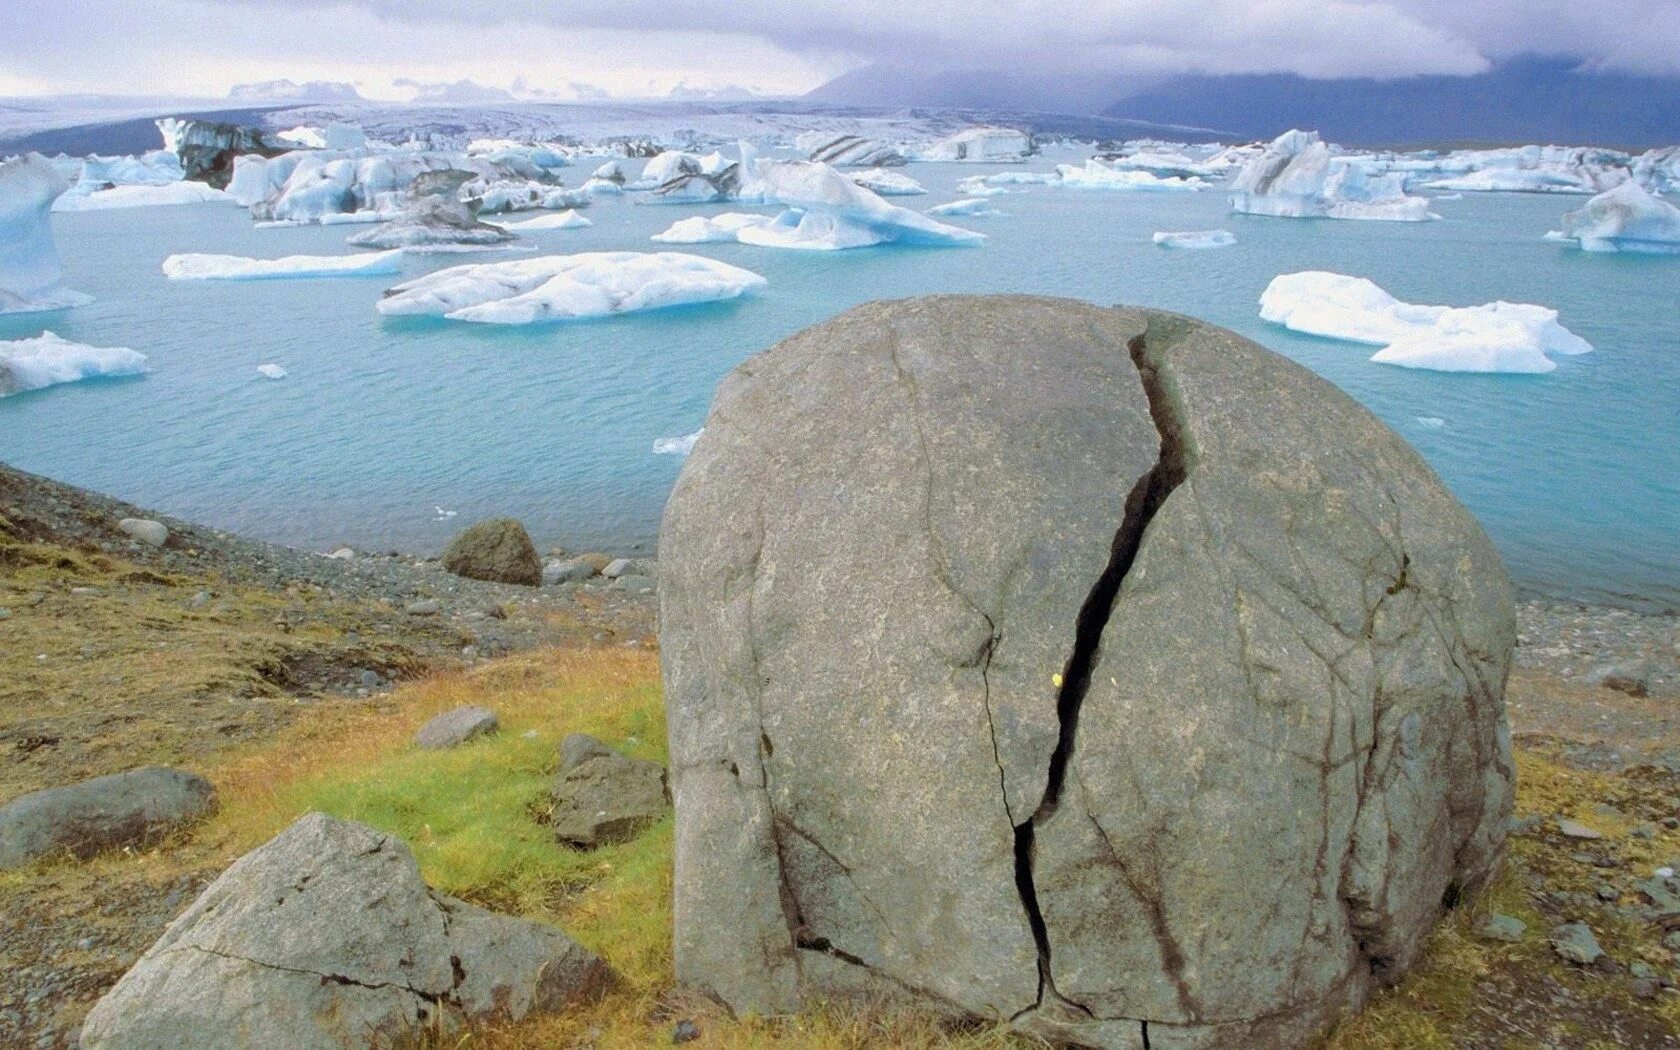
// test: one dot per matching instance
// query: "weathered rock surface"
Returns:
(145, 530)
(602, 797)
(454, 728)
(498, 550)
(124, 809)
(328, 938)
(1173, 675)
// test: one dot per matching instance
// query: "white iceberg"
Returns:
(1296, 177)
(1495, 337)
(1625, 219)
(981, 145)
(29, 268)
(855, 151)
(665, 167)
(194, 267)
(1195, 239)
(710, 229)
(170, 194)
(1658, 170)
(156, 168)
(979, 186)
(677, 446)
(30, 364)
(565, 220)
(1524, 169)
(569, 287)
(887, 183)
(827, 211)
(1095, 175)
(977, 207)
(271, 371)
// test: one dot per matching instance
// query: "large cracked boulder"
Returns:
(326, 938)
(1091, 669)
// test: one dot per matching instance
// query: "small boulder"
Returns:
(1497, 927)
(1632, 677)
(424, 607)
(572, 570)
(596, 560)
(498, 550)
(1574, 941)
(134, 808)
(145, 530)
(630, 567)
(328, 938)
(1575, 830)
(454, 728)
(602, 797)
(635, 584)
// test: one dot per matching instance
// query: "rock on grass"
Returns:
(124, 809)
(454, 728)
(498, 550)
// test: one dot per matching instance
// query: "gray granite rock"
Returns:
(1497, 927)
(571, 570)
(125, 809)
(327, 938)
(1173, 675)
(602, 797)
(1574, 941)
(454, 728)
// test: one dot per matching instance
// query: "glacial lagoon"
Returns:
(394, 432)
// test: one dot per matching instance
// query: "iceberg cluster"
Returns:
(1625, 219)
(1495, 337)
(30, 364)
(569, 287)
(192, 267)
(1195, 239)
(1095, 175)
(29, 268)
(434, 216)
(981, 146)
(1297, 177)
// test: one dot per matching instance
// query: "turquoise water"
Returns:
(1576, 474)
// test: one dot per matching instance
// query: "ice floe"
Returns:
(30, 272)
(710, 229)
(196, 267)
(677, 446)
(1195, 239)
(565, 220)
(569, 287)
(1297, 177)
(271, 371)
(976, 207)
(827, 211)
(1495, 337)
(30, 364)
(144, 196)
(1095, 175)
(886, 183)
(1625, 219)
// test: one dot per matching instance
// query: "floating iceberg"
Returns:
(435, 215)
(326, 186)
(665, 167)
(1658, 170)
(271, 371)
(973, 206)
(827, 211)
(569, 287)
(855, 151)
(980, 186)
(208, 149)
(565, 220)
(1195, 239)
(1496, 337)
(1296, 177)
(166, 195)
(886, 183)
(239, 268)
(698, 187)
(710, 229)
(981, 146)
(150, 169)
(1095, 175)
(1530, 169)
(1625, 219)
(29, 266)
(677, 446)
(30, 364)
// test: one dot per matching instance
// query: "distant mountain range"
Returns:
(284, 91)
(1519, 101)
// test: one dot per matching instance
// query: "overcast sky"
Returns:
(646, 47)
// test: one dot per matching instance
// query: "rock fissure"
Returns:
(1148, 494)
(435, 998)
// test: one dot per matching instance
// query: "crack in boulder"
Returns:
(1172, 466)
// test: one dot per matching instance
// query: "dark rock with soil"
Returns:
(136, 808)
(1097, 621)
(498, 550)
(602, 797)
(327, 938)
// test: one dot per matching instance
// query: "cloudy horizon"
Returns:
(390, 49)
